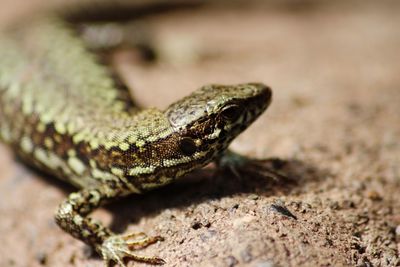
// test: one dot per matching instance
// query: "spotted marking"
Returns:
(76, 165)
(26, 144)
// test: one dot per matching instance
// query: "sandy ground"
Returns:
(333, 128)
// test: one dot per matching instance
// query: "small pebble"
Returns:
(373, 195)
(41, 257)
(253, 197)
(231, 261)
(397, 231)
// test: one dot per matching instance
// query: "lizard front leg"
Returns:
(72, 217)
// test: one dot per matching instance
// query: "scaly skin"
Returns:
(63, 113)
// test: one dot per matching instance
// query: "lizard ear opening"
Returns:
(187, 146)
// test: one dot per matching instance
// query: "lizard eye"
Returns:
(231, 112)
(187, 146)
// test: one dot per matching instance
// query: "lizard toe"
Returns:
(119, 248)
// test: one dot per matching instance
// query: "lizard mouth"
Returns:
(262, 95)
(258, 103)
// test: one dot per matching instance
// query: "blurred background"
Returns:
(335, 121)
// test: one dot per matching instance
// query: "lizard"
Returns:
(64, 113)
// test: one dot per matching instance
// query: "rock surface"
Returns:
(333, 128)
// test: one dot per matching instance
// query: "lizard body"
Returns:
(62, 112)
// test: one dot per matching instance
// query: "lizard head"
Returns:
(211, 117)
(194, 131)
(199, 129)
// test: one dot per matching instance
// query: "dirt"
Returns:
(333, 129)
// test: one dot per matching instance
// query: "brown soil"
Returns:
(333, 128)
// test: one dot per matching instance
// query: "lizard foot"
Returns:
(239, 165)
(117, 248)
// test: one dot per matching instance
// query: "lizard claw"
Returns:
(117, 248)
